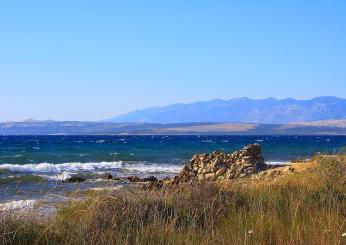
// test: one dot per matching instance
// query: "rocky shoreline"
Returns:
(216, 166)
(219, 166)
(240, 167)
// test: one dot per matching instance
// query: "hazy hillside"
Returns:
(335, 127)
(245, 110)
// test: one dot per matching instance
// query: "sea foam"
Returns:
(62, 167)
(278, 162)
(17, 205)
(153, 168)
(41, 168)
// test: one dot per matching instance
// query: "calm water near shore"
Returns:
(49, 159)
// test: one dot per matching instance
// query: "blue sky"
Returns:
(91, 60)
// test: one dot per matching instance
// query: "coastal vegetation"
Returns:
(304, 206)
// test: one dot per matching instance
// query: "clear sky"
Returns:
(91, 60)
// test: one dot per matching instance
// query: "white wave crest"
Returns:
(58, 168)
(153, 168)
(60, 177)
(278, 162)
(16, 205)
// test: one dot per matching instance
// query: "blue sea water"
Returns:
(51, 158)
(164, 151)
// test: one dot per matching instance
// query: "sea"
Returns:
(32, 167)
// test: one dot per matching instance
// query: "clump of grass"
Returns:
(305, 208)
(333, 170)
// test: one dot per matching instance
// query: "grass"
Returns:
(301, 208)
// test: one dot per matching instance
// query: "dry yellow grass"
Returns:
(304, 206)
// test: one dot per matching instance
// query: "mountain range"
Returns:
(242, 116)
(244, 110)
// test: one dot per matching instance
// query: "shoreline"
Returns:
(47, 194)
(101, 182)
(294, 202)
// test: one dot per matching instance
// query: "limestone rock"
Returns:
(133, 179)
(74, 179)
(218, 166)
(105, 176)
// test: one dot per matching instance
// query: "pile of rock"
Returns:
(216, 166)
(219, 166)
(108, 176)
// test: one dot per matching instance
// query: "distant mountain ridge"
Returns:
(244, 110)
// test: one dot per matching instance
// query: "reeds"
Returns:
(304, 208)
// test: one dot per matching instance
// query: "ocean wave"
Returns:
(14, 156)
(27, 178)
(60, 177)
(278, 162)
(17, 205)
(62, 167)
(153, 168)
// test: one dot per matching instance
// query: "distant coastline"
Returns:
(324, 127)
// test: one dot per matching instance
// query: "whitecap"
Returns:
(59, 177)
(9, 177)
(153, 168)
(277, 162)
(17, 205)
(59, 168)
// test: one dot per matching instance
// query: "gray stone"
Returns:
(220, 172)
(221, 166)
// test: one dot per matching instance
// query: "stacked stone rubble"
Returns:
(219, 166)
